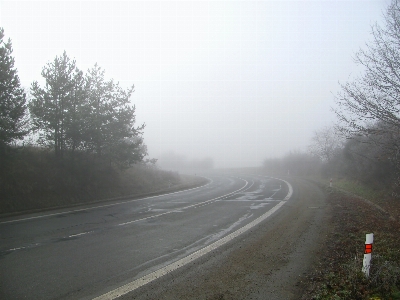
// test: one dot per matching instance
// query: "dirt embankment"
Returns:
(270, 262)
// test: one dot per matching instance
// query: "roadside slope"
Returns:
(337, 273)
(267, 263)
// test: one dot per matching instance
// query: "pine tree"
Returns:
(110, 127)
(13, 118)
(56, 108)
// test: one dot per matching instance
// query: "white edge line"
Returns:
(289, 194)
(106, 205)
(189, 206)
(158, 215)
(118, 292)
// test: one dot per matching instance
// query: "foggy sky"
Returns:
(235, 81)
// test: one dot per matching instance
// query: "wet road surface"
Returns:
(85, 253)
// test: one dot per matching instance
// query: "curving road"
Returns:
(94, 251)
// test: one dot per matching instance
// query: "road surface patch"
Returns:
(127, 288)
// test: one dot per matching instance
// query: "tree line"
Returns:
(71, 112)
(364, 144)
(70, 139)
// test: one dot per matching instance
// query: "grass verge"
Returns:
(338, 274)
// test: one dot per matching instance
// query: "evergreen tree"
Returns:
(74, 111)
(110, 124)
(56, 108)
(12, 97)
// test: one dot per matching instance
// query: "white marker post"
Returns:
(369, 239)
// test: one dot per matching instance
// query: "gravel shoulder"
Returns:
(270, 262)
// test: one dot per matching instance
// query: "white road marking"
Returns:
(184, 261)
(197, 205)
(216, 236)
(14, 249)
(142, 219)
(24, 247)
(150, 217)
(78, 234)
(37, 244)
(106, 205)
(289, 194)
(247, 200)
(260, 205)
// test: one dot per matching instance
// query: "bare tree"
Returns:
(370, 105)
(326, 143)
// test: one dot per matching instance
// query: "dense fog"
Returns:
(223, 84)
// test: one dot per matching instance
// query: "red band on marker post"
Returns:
(369, 239)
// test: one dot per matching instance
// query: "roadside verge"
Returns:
(337, 273)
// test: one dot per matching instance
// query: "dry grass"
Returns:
(338, 275)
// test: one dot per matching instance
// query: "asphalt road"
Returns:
(85, 253)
